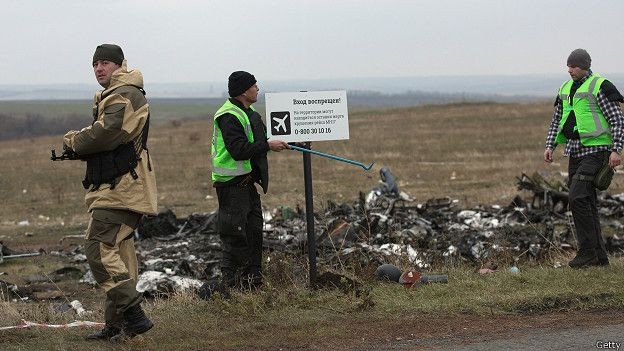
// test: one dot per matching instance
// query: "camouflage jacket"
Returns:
(120, 112)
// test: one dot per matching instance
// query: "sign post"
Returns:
(305, 117)
(309, 208)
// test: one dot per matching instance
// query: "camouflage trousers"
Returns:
(112, 258)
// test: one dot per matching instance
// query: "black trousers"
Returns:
(239, 226)
(583, 201)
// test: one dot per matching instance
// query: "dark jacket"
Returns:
(259, 162)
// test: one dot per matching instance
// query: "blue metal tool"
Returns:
(333, 157)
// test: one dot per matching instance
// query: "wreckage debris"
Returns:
(388, 272)
(412, 279)
(7, 254)
(162, 284)
(387, 225)
(384, 225)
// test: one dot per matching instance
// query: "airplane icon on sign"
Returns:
(281, 123)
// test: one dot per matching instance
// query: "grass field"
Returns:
(162, 109)
(471, 152)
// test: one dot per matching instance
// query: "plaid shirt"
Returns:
(614, 116)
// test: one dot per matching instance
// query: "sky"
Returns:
(184, 41)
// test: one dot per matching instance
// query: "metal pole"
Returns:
(307, 179)
(333, 157)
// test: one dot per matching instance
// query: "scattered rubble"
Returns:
(384, 225)
(387, 225)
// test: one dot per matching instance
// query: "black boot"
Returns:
(228, 277)
(135, 322)
(585, 258)
(105, 334)
(603, 259)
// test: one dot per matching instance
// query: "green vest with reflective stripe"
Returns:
(224, 167)
(591, 124)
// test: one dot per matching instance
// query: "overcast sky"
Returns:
(201, 41)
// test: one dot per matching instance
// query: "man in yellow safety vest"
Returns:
(589, 120)
(239, 149)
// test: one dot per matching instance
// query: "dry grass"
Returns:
(288, 316)
(471, 152)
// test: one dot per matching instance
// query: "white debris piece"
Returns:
(466, 214)
(404, 196)
(79, 258)
(185, 283)
(390, 249)
(488, 233)
(150, 281)
(77, 306)
(450, 251)
(458, 227)
(478, 249)
(88, 278)
(349, 250)
(157, 260)
(372, 197)
(475, 220)
(267, 216)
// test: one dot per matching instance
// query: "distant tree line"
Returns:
(33, 125)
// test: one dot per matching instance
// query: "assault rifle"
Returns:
(67, 154)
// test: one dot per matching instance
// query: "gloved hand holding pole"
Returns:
(333, 157)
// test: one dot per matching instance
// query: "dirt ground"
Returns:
(458, 332)
(421, 332)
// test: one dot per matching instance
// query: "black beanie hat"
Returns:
(239, 82)
(579, 58)
(108, 52)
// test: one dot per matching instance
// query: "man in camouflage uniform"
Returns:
(122, 188)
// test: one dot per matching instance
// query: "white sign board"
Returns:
(307, 116)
